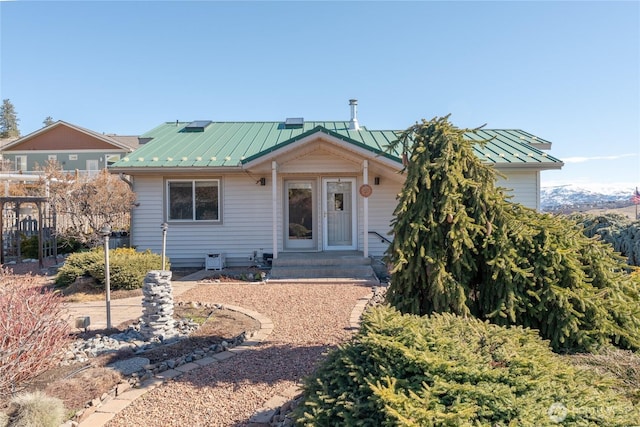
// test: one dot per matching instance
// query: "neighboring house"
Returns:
(72, 147)
(5, 164)
(245, 188)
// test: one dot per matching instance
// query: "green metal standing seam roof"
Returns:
(230, 144)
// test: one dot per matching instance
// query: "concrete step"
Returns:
(323, 260)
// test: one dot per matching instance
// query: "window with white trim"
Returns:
(193, 200)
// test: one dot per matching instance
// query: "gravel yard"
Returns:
(308, 320)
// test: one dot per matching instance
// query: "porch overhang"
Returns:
(320, 133)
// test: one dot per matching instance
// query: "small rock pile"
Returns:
(283, 416)
(148, 370)
(379, 293)
(131, 339)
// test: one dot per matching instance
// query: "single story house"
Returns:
(72, 147)
(242, 189)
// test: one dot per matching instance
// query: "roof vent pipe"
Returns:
(353, 124)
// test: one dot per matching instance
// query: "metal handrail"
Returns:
(384, 239)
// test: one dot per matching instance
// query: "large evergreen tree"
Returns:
(8, 120)
(459, 246)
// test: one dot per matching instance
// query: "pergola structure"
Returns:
(26, 216)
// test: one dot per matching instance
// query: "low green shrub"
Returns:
(444, 370)
(68, 244)
(65, 245)
(29, 246)
(78, 265)
(127, 268)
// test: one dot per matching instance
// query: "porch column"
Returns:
(274, 207)
(365, 209)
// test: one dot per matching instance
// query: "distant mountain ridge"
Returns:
(574, 197)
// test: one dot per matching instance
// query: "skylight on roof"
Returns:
(197, 126)
(293, 122)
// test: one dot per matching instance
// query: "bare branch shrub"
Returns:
(84, 204)
(33, 331)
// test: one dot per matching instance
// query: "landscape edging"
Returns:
(281, 404)
(109, 404)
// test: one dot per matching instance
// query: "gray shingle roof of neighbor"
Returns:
(131, 141)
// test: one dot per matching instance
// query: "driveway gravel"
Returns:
(308, 320)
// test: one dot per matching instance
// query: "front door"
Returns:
(299, 218)
(339, 213)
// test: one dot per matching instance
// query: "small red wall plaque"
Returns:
(365, 190)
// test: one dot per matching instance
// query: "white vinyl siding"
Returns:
(320, 161)
(382, 203)
(523, 186)
(246, 208)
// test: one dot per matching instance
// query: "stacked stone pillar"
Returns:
(157, 307)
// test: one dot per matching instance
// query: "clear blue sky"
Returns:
(568, 72)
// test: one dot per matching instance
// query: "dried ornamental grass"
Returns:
(92, 382)
(37, 410)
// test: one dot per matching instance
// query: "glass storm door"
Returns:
(300, 227)
(339, 212)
